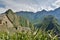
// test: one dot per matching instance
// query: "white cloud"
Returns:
(17, 6)
(57, 3)
(2, 10)
(30, 5)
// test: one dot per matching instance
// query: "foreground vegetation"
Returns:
(30, 35)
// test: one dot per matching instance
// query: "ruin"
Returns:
(1, 18)
(4, 21)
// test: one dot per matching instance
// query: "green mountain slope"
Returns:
(50, 23)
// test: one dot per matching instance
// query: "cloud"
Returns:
(2, 10)
(29, 5)
(57, 3)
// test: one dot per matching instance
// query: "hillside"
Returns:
(39, 15)
(49, 23)
(38, 19)
(10, 21)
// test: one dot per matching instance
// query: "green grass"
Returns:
(30, 35)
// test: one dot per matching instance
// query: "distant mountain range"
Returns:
(38, 16)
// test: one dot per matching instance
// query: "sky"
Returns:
(28, 5)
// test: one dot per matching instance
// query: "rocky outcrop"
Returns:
(9, 21)
(5, 21)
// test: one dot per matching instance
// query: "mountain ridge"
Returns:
(31, 16)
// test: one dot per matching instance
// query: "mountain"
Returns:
(49, 23)
(14, 19)
(5, 22)
(17, 20)
(38, 16)
(11, 22)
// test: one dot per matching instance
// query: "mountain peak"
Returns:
(43, 10)
(9, 11)
(57, 9)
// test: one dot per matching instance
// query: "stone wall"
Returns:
(5, 21)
